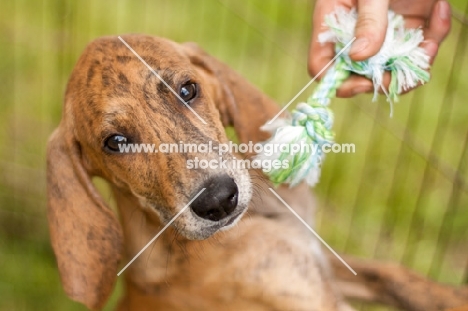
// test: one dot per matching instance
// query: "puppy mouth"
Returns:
(225, 223)
(200, 229)
(193, 227)
(218, 207)
(232, 219)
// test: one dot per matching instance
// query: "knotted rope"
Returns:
(311, 124)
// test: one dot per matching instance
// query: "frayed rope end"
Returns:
(311, 122)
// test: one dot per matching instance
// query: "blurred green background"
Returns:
(401, 197)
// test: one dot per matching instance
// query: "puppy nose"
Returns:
(218, 200)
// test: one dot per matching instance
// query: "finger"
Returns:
(370, 30)
(439, 23)
(320, 54)
(358, 84)
(354, 85)
(432, 48)
(413, 8)
(415, 22)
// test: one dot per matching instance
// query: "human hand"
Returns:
(433, 16)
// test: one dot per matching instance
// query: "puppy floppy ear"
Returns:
(85, 234)
(240, 104)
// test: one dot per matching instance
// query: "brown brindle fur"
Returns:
(267, 261)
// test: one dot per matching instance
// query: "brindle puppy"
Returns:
(268, 261)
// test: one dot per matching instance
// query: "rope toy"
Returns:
(311, 122)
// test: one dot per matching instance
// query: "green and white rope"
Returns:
(311, 122)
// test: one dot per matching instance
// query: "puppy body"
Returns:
(267, 261)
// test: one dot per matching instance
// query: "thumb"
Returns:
(371, 27)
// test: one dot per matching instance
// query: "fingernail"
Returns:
(444, 10)
(359, 45)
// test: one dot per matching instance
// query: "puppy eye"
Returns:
(188, 92)
(112, 143)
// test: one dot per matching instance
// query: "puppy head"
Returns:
(116, 100)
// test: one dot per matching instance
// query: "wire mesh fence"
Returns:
(402, 197)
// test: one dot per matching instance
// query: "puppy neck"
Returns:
(140, 226)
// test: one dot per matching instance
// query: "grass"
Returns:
(401, 197)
